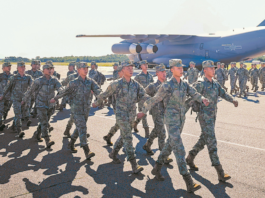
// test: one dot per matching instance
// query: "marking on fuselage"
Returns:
(231, 47)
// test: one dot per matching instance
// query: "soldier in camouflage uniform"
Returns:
(249, 72)
(220, 75)
(129, 92)
(71, 68)
(34, 73)
(255, 77)
(6, 103)
(192, 73)
(232, 73)
(225, 72)
(70, 123)
(79, 91)
(58, 76)
(242, 75)
(18, 85)
(116, 127)
(210, 89)
(115, 76)
(173, 93)
(144, 78)
(262, 76)
(45, 88)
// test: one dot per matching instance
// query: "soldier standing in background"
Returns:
(220, 75)
(255, 77)
(251, 79)
(6, 103)
(173, 93)
(232, 73)
(18, 85)
(262, 76)
(129, 92)
(58, 76)
(242, 75)
(192, 73)
(115, 76)
(144, 78)
(225, 72)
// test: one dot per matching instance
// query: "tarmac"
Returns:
(27, 169)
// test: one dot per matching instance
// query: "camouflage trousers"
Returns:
(255, 82)
(125, 138)
(64, 100)
(242, 86)
(81, 128)
(222, 83)
(144, 119)
(44, 116)
(233, 83)
(174, 143)
(5, 106)
(20, 111)
(70, 121)
(114, 129)
(158, 131)
(207, 138)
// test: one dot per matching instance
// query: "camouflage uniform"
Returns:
(174, 94)
(262, 77)
(144, 80)
(18, 85)
(220, 76)
(192, 74)
(15, 72)
(169, 74)
(6, 103)
(242, 75)
(255, 78)
(232, 73)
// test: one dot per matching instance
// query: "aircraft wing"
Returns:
(167, 39)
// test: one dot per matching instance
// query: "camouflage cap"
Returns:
(47, 66)
(81, 65)
(222, 64)
(126, 64)
(176, 63)
(143, 62)
(242, 62)
(35, 62)
(93, 63)
(49, 63)
(208, 63)
(218, 63)
(115, 64)
(233, 63)
(119, 68)
(191, 62)
(20, 64)
(72, 64)
(160, 67)
(6, 64)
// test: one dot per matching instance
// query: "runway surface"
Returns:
(27, 169)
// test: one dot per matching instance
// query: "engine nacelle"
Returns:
(126, 48)
(148, 48)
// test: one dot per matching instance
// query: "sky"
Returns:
(46, 28)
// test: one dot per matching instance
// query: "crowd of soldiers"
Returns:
(167, 100)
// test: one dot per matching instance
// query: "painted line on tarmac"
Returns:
(235, 144)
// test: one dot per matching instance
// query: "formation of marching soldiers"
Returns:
(166, 100)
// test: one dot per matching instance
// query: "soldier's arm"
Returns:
(109, 91)
(8, 87)
(137, 78)
(66, 81)
(58, 86)
(30, 81)
(194, 94)
(150, 90)
(32, 89)
(223, 94)
(95, 88)
(68, 90)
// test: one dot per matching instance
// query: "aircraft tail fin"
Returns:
(262, 23)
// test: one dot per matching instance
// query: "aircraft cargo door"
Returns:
(207, 56)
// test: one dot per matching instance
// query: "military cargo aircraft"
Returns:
(235, 45)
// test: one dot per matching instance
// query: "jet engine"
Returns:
(148, 48)
(126, 48)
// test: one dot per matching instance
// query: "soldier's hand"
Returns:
(140, 115)
(94, 105)
(22, 102)
(52, 100)
(1, 98)
(206, 102)
(235, 102)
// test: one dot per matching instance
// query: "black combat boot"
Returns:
(191, 186)
(147, 148)
(88, 153)
(5, 115)
(28, 121)
(49, 143)
(135, 126)
(113, 156)
(146, 129)
(135, 167)
(2, 125)
(107, 138)
(67, 132)
(71, 146)
(190, 162)
(37, 134)
(168, 160)
(157, 172)
(221, 175)
(20, 132)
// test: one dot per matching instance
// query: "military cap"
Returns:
(218, 63)
(72, 64)
(82, 65)
(222, 64)
(49, 63)
(47, 66)
(126, 64)
(119, 68)
(191, 62)
(143, 62)
(35, 62)
(20, 64)
(242, 62)
(208, 63)
(233, 63)
(93, 63)
(160, 67)
(6, 64)
(115, 64)
(176, 63)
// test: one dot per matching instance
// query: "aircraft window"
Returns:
(201, 46)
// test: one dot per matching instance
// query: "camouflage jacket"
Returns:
(17, 85)
(151, 90)
(44, 90)
(115, 75)
(3, 82)
(242, 74)
(79, 92)
(226, 73)
(69, 78)
(127, 95)
(144, 79)
(232, 72)
(201, 73)
(174, 95)
(254, 73)
(169, 73)
(57, 75)
(192, 75)
(211, 91)
(93, 74)
(220, 75)
(35, 74)
(70, 72)
(262, 74)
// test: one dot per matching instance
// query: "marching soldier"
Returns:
(173, 93)
(242, 75)
(255, 77)
(251, 79)
(232, 73)
(144, 78)
(262, 76)
(220, 75)
(115, 76)
(226, 74)
(192, 73)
